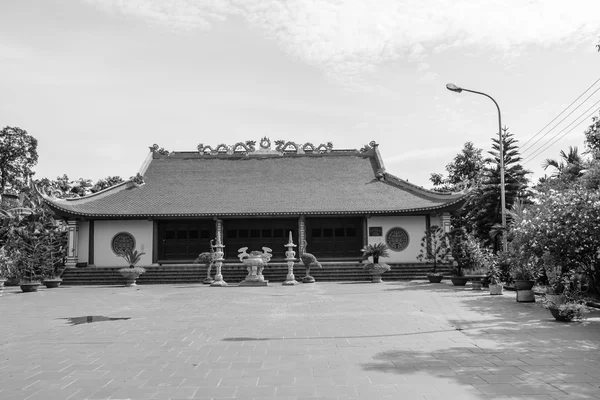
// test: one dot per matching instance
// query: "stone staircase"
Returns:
(234, 273)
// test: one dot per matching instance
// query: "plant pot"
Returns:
(377, 271)
(131, 274)
(523, 285)
(27, 287)
(459, 280)
(52, 283)
(496, 289)
(435, 278)
(558, 317)
(477, 285)
(130, 277)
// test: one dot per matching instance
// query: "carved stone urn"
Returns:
(255, 263)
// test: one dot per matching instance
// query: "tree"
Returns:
(569, 168)
(18, 154)
(592, 137)
(105, 183)
(465, 169)
(62, 187)
(484, 204)
(36, 239)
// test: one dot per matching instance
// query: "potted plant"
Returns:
(523, 275)
(131, 273)
(375, 268)
(7, 266)
(434, 249)
(493, 277)
(567, 311)
(460, 255)
(55, 251)
(557, 283)
(29, 264)
(207, 258)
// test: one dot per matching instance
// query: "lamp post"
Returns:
(452, 87)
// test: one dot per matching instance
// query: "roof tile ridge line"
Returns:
(146, 163)
(84, 199)
(403, 183)
(101, 193)
(378, 158)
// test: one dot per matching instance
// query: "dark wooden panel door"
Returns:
(334, 237)
(183, 240)
(258, 233)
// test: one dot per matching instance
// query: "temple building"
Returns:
(334, 201)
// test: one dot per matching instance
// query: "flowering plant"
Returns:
(564, 225)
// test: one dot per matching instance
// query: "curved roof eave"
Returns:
(71, 213)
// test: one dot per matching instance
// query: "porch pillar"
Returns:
(301, 234)
(73, 237)
(219, 228)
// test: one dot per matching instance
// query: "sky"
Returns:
(99, 81)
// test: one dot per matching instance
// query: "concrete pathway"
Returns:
(395, 340)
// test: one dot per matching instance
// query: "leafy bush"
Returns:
(564, 226)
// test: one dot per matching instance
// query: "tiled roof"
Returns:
(187, 184)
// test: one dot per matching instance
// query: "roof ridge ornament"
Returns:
(160, 150)
(368, 147)
(282, 147)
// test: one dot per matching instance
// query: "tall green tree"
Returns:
(464, 170)
(484, 204)
(18, 155)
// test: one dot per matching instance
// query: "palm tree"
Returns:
(570, 165)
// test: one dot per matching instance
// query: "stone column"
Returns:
(219, 227)
(218, 260)
(290, 254)
(73, 237)
(301, 233)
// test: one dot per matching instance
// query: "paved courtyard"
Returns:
(395, 340)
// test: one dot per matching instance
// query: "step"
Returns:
(236, 272)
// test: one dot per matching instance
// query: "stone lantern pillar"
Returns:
(290, 280)
(219, 263)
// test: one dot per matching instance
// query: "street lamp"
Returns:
(452, 87)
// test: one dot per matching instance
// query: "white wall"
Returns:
(83, 242)
(414, 225)
(104, 231)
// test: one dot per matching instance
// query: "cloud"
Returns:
(348, 40)
(12, 51)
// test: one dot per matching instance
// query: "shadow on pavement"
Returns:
(537, 354)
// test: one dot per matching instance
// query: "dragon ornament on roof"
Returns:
(281, 147)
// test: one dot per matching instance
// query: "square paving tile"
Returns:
(409, 340)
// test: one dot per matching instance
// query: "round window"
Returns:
(122, 242)
(397, 239)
